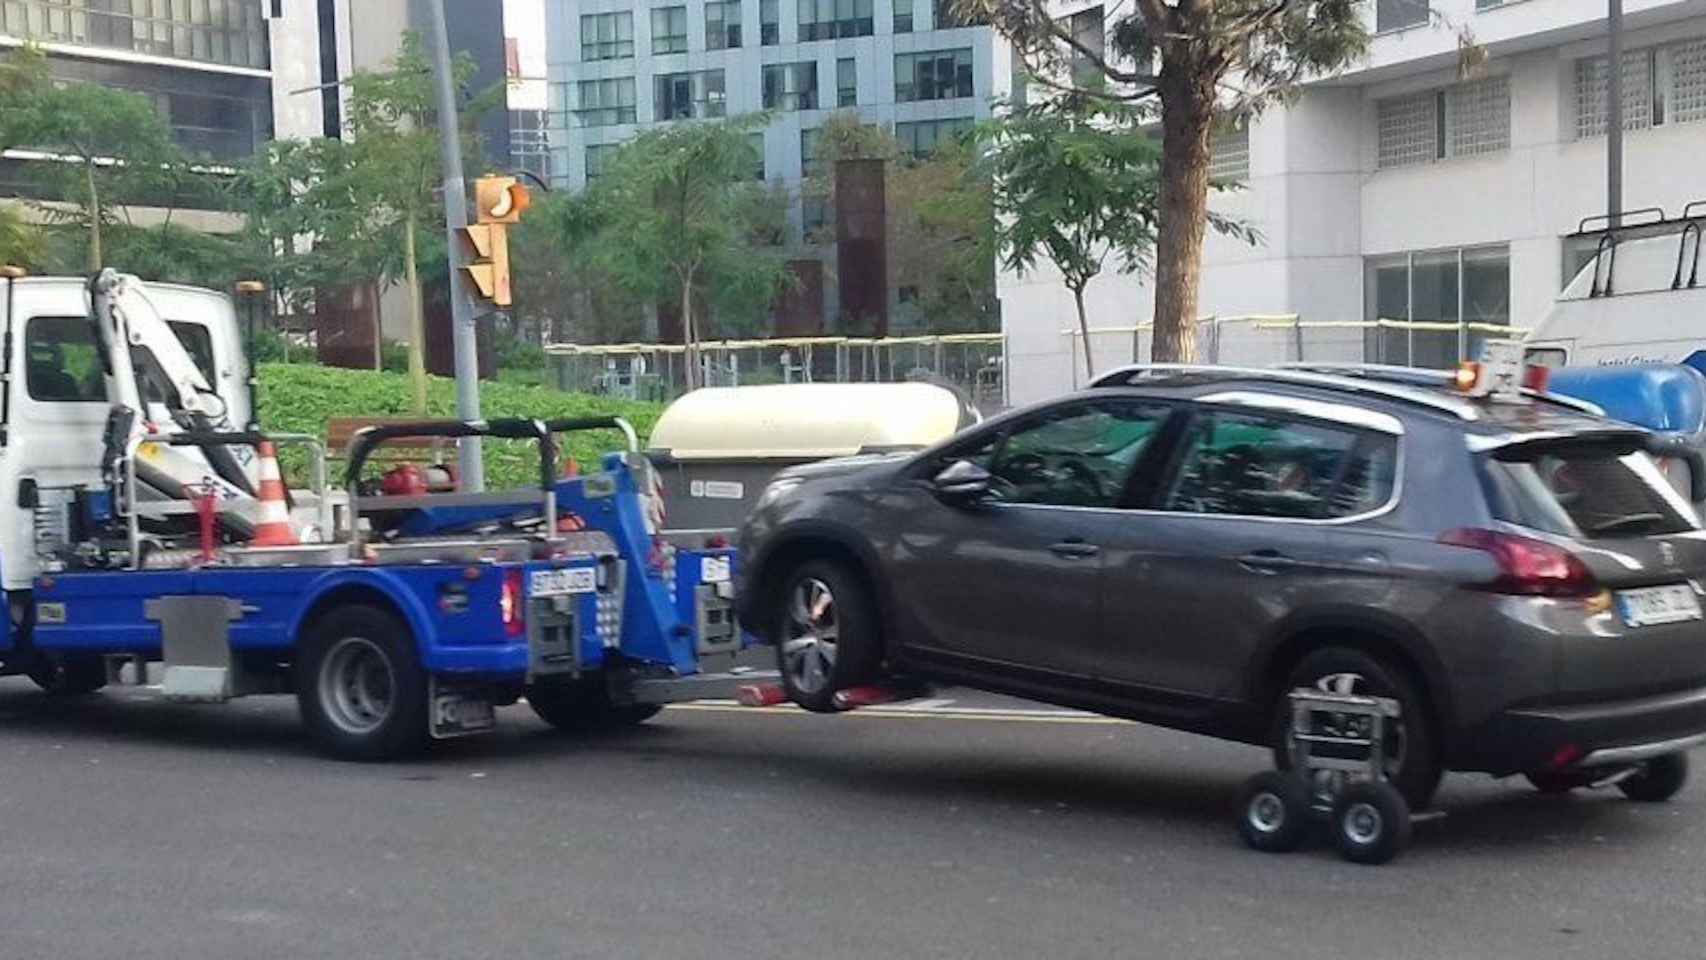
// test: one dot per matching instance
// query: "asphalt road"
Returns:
(139, 830)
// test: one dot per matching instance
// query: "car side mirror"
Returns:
(961, 483)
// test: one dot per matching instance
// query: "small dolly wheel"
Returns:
(1273, 812)
(1659, 780)
(1371, 822)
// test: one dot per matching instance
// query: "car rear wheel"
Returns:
(825, 632)
(1412, 762)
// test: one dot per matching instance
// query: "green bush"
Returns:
(300, 398)
(394, 356)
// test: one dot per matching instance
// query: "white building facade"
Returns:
(617, 67)
(1405, 190)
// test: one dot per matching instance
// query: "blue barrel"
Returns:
(1667, 398)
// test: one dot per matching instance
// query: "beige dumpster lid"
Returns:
(805, 421)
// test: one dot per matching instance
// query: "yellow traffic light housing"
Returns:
(488, 263)
(499, 200)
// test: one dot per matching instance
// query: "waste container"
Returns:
(716, 448)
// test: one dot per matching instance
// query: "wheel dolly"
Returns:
(1337, 746)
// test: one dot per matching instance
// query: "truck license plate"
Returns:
(454, 715)
(1653, 605)
(714, 570)
(556, 583)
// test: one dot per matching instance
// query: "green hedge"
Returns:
(300, 398)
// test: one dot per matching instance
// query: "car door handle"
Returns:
(1266, 561)
(1074, 549)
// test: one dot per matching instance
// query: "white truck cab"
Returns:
(1638, 300)
(53, 399)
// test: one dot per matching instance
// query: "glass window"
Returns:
(198, 343)
(62, 361)
(598, 155)
(1409, 294)
(1256, 465)
(935, 75)
(1229, 152)
(756, 141)
(809, 140)
(828, 19)
(846, 82)
(790, 86)
(769, 22)
(1079, 455)
(1583, 490)
(232, 33)
(902, 16)
(684, 96)
(669, 30)
(1398, 14)
(1086, 28)
(922, 137)
(1466, 120)
(607, 36)
(722, 24)
(606, 102)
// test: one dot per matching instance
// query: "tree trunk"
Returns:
(690, 353)
(417, 322)
(1084, 332)
(1187, 113)
(95, 258)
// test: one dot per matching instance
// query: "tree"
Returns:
(673, 217)
(1075, 181)
(21, 242)
(1202, 60)
(109, 147)
(561, 291)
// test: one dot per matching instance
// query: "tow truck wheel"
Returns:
(1371, 822)
(825, 634)
(1273, 812)
(1659, 780)
(360, 686)
(69, 677)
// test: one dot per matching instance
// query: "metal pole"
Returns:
(1614, 116)
(473, 478)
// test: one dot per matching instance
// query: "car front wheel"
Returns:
(825, 633)
(1412, 761)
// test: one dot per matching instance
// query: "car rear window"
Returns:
(1585, 491)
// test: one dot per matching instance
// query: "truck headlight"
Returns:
(776, 490)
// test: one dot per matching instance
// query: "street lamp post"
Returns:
(465, 341)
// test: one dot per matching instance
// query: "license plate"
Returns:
(714, 570)
(556, 583)
(1653, 605)
(454, 715)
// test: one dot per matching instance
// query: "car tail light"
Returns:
(1527, 567)
(509, 602)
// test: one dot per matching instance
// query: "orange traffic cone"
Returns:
(272, 528)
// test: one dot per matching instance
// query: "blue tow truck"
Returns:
(153, 554)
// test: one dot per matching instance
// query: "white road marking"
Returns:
(909, 712)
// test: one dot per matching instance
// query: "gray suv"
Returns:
(1182, 545)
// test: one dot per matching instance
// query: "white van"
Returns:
(1641, 300)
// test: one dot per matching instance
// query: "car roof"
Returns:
(1399, 391)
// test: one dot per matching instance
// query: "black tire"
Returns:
(360, 686)
(1416, 769)
(69, 676)
(812, 672)
(583, 705)
(1273, 812)
(1556, 782)
(1371, 822)
(1659, 780)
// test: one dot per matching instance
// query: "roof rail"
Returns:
(1422, 376)
(1344, 379)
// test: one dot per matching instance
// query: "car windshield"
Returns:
(1585, 491)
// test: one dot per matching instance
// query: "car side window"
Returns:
(1077, 455)
(1259, 465)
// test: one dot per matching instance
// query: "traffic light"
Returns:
(498, 202)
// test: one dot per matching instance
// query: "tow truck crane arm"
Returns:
(134, 337)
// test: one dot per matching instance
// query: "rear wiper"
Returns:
(1627, 520)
